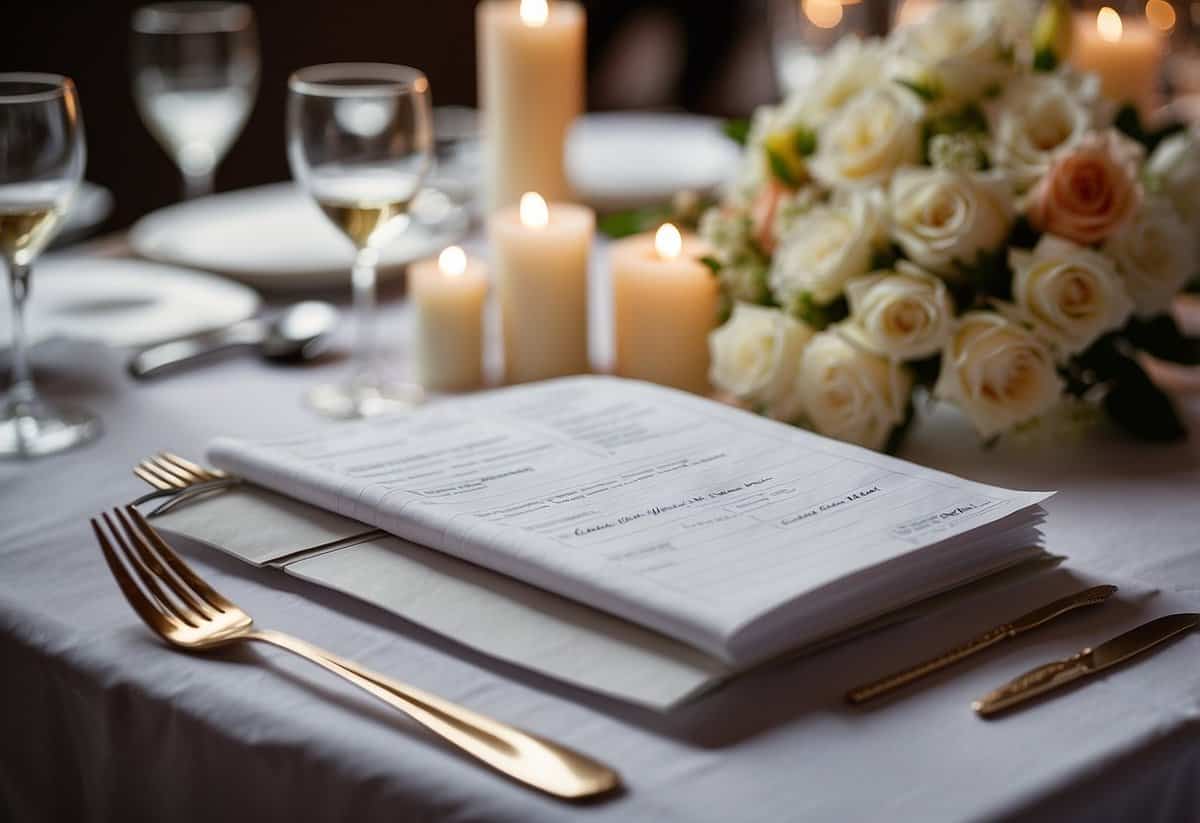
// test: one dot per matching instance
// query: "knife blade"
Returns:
(1019, 625)
(1087, 662)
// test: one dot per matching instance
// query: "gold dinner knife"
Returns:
(1089, 661)
(1022, 624)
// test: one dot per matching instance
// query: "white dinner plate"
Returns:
(274, 237)
(126, 302)
(620, 160)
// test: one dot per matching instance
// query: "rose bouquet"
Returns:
(954, 210)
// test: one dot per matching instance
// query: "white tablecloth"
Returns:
(98, 721)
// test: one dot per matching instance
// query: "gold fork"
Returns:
(169, 475)
(185, 611)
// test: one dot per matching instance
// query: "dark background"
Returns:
(707, 57)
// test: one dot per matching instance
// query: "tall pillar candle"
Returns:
(531, 89)
(664, 304)
(447, 295)
(540, 256)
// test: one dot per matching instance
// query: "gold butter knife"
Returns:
(1022, 624)
(1089, 661)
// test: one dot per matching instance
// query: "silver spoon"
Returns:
(296, 334)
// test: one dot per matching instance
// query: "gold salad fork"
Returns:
(170, 475)
(185, 611)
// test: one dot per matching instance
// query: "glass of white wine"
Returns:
(195, 76)
(360, 142)
(42, 157)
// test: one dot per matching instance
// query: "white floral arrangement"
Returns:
(953, 210)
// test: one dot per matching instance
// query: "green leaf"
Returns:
(925, 91)
(926, 371)
(1161, 337)
(808, 311)
(714, 265)
(737, 130)
(1141, 408)
(885, 259)
(805, 142)
(1045, 60)
(632, 221)
(779, 168)
(1129, 123)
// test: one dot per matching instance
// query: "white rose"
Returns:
(997, 372)
(942, 218)
(851, 394)
(1070, 294)
(869, 138)
(826, 246)
(1174, 169)
(958, 52)
(1038, 116)
(1156, 254)
(752, 354)
(903, 315)
(850, 67)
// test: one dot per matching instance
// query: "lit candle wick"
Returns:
(534, 212)
(668, 242)
(1108, 23)
(535, 13)
(452, 261)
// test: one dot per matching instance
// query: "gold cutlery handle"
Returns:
(894, 681)
(525, 757)
(1033, 682)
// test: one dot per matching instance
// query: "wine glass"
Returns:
(195, 75)
(41, 163)
(360, 142)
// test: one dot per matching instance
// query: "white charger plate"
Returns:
(274, 238)
(126, 302)
(621, 160)
(90, 207)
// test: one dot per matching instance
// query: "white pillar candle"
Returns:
(540, 254)
(447, 295)
(531, 88)
(1127, 54)
(664, 305)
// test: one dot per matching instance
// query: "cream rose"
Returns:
(848, 393)
(754, 353)
(1069, 294)
(826, 246)
(942, 218)
(1174, 169)
(959, 51)
(997, 372)
(869, 138)
(906, 314)
(1039, 116)
(1090, 190)
(850, 67)
(1156, 254)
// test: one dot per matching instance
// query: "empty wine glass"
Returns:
(360, 141)
(41, 163)
(195, 75)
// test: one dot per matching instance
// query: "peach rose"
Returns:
(1089, 191)
(762, 215)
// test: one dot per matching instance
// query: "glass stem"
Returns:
(198, 184)
(363, 278)
(21, 391)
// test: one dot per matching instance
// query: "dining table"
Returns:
(100, 720)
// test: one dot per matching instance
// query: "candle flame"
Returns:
(1161, 14)
(668, 242)
(534, 212)
(1108, 23)
(824, 14)
(452, 261)
(535, 12)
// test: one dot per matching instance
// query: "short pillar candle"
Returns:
(664, 305)
(447, 295)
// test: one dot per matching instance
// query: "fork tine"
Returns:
(151, 561)
(167, 467)
(170, 479)
(185, 573)
(158, 621)
(194, 468)
(153, 480)
(149, 582)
